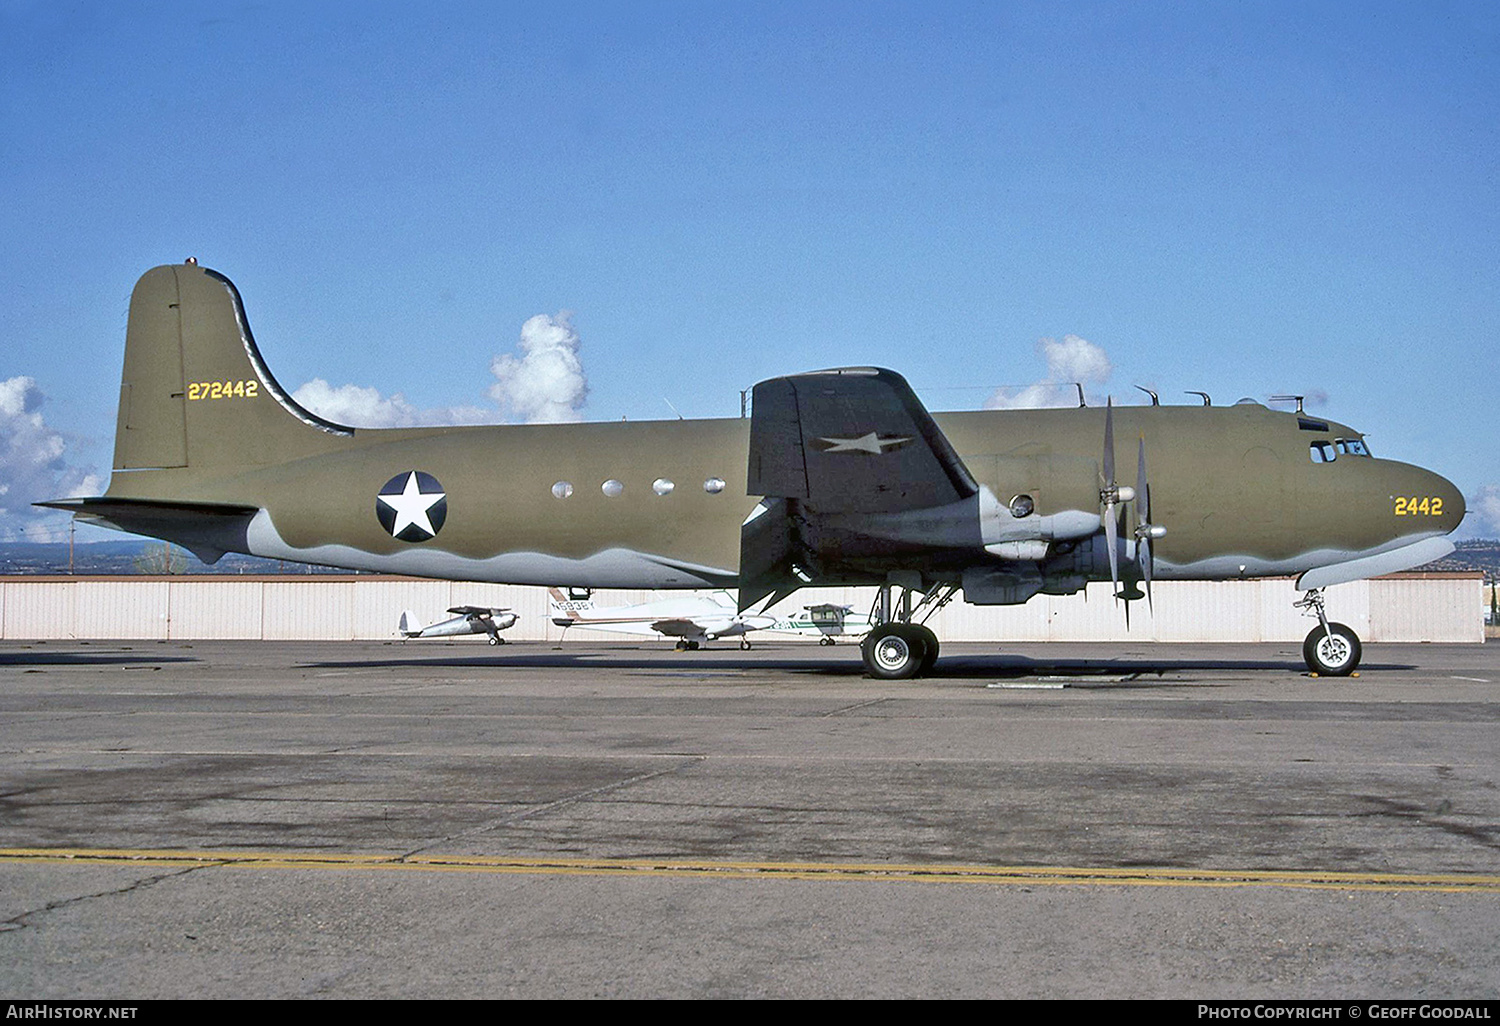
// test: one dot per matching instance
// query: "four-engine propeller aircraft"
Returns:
(470, 620)
(692, 620)
(839, 477)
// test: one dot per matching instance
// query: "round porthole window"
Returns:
(714, 485)
(614, 489)
(661, 486)
(562, 489)
(1022, 506)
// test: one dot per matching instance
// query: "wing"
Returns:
(838, 452)
(853, 439)
(677, 628)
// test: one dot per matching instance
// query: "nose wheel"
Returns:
(1331, 649)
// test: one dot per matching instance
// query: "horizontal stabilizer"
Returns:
(206, 529)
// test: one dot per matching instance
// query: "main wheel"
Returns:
(1333, 652)
(894, 651)
(930, 640)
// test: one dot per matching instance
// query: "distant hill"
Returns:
(1476, 554)
(134, 556)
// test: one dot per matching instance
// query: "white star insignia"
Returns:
(411, 506)
(870, 443)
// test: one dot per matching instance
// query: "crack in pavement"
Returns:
(21, 922)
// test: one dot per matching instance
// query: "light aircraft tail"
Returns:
(566, 611)
(410, 625)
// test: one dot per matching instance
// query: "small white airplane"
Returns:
(691, 620)
(825, 621)
(470, 620)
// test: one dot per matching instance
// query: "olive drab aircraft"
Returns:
(838, 477)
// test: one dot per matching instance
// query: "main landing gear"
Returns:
(1331, 649)
(897, 648)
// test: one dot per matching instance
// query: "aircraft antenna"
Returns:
(1206, 400)
(1289, 399)
(1155, 399)
(1079, 385)
(671, 407)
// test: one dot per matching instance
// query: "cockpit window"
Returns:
(1352, 446)
(1323, 451)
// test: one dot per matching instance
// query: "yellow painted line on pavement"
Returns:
(871, 871)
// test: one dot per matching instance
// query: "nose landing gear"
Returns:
(1331, 649)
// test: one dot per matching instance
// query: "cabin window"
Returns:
(714, 485)
(1352, 446)
(562, 489)
(1022, 506)
(662, 486)
(1323, 452)
(612, 488)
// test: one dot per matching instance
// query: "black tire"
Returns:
(894, 651)
(1332, 653)
(930, 656)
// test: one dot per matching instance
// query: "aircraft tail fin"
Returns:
(410, 624)
(195, 391)
(567, 611)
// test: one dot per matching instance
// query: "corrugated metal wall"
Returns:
(1412, 607)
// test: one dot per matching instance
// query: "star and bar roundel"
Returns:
(412, 506)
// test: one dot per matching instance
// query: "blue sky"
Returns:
(1242, 198)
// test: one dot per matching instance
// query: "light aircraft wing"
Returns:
(677, 628)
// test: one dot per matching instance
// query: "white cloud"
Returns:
(358, 406)
(546, 384)
(1483, 520)
(34, 466)
(1071, 359)
(1075, 359)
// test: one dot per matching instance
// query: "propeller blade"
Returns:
(1143, 521)
(1111, 540)
(1142, 490)
(1143, 553)
(1109, 443)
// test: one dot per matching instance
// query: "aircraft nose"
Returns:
(1454, 507)
(1433, 500)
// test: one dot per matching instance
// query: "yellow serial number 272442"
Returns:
(1414, 506)
(223, 390)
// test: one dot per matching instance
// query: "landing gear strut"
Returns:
(897, 648)
(1331, 649)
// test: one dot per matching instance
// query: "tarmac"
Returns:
(447, 819)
